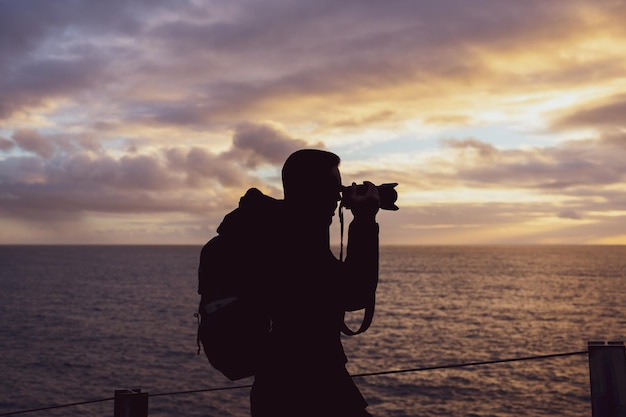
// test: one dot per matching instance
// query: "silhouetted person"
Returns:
(297, 280)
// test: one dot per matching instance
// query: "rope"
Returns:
(12, 413)
(194, 391)
(462, 365)
(390, 372)
(341, 206)
(51, 407)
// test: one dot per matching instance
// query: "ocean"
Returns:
(78, 322)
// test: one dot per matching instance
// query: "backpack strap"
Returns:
(365, 324)
(369, 310)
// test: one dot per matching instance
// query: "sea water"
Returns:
(78, 322)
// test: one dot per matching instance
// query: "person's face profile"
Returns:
(322, 197)
(330, 195)
(337, 183)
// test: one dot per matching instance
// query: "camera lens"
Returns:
(386, 192)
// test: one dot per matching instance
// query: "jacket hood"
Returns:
(255, 211)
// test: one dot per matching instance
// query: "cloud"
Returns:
(35, 190)
(49, 145)
(569, 214)
(153, 106)
(484, 150)
(609, 114)
(68, 184)
(573, 163)
(52, 50)
(371, 119)
(342, 56)
(20, 170)
(264, 142)
(6, 144)
(54, 77)
(29, 23)
(32, 141)
(445, 119)
(202, 165)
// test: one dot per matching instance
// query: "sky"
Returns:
(144, 122)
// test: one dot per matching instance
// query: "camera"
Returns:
(386, 192)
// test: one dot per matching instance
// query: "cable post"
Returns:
(130, 403)
(607, 374)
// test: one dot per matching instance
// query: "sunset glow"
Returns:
(145, 121)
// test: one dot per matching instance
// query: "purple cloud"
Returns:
(6, 144)
(74, 179)
(265, 143)
(571, 164)
(32, 141)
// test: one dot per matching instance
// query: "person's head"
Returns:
(311, 181)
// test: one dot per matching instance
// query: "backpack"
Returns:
(231, 327)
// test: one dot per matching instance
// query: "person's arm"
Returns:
(360, 269)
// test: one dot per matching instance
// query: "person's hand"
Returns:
(364, 205)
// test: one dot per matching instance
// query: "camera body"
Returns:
(386, 192)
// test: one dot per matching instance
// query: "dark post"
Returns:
(607, 372)
(130, 403)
